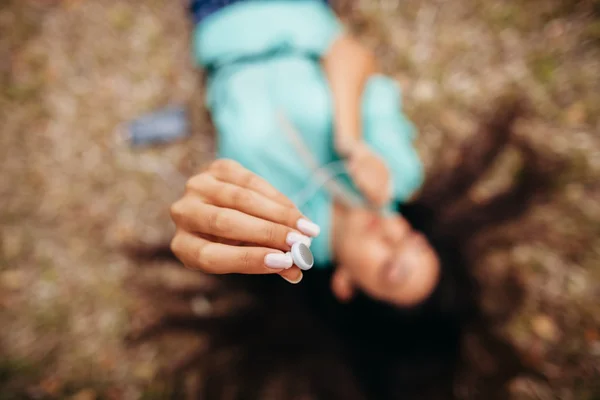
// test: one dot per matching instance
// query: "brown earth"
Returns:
(71, 71)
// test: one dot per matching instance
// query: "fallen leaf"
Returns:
(51, 386)
(591, 335)
(85, 394)
(545, 328)
(576, 114)
(12, 279)
(145, 371)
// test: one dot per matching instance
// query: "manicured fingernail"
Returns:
(295, 237)
(278, 261)
(308, 228)
(293, 281)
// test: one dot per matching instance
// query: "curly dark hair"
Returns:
(297, 342)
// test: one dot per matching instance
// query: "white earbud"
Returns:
(302, 256)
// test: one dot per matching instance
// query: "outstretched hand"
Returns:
(230, 220)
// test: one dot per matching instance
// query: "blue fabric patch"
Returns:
(201, 9)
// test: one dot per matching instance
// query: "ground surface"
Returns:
(71, 71)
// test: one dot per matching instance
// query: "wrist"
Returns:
(347, 147)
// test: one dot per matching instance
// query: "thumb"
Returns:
(341, 285)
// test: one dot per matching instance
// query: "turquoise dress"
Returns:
(263, 58)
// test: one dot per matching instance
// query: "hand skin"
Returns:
(348, 65)
(233, 221)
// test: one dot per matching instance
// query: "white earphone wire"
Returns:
(326, 173)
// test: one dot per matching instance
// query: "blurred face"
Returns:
(386, 258)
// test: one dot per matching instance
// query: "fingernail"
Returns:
(295, 237)
(278, 261)
(292, 281)
(307, 227)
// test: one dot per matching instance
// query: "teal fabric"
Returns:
(245, 97)
(258, 26)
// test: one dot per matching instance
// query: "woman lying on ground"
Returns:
(384, 318)
(277, 341)
(292, 60)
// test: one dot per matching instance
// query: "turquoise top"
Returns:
(264, 59)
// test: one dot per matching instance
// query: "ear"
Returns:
(341, 285)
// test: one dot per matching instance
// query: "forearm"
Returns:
(347, 66)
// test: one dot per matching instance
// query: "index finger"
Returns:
(230, 171)
(233, 197)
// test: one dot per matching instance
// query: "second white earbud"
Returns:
(302, 256)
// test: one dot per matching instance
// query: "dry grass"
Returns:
(72, 71)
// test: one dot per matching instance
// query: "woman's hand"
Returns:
(370, 174)
(232, 221)
(348, 65)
